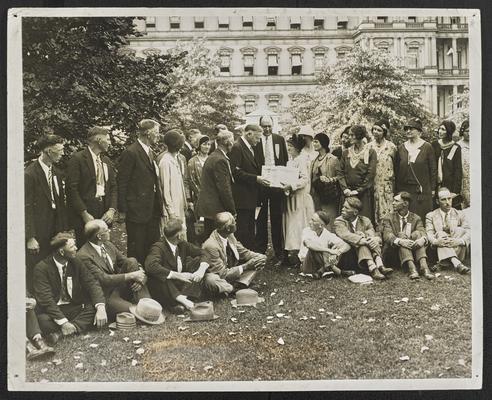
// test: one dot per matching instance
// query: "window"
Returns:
(412, 19)
(342, 51)
(199, 23)
(412, 58)
(455, 20)
(342, 22)
(295, 23)
(249, 104)
(272, 64)
(150, 22)
(249, 62)
(319, 61)
(271, 23)
(296, 64)
(225, 62)
(174, 22)
(248, 23)
(382, 19)
(274, 102)
(224, 23)
(319, 23)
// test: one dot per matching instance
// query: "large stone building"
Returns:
(274, 55)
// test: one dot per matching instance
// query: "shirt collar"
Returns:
(172, 246)
(96, 247)
(223, 240)
(443, 214)
(94, 156)
(354, 222)
(188, 145)
(144, 146)
(43, 166)
(247, 143)
(59, 265)
(405, 216)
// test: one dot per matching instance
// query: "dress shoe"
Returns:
(41, 345)
(377, 275)
(347, 272)
(178, 309)
(53, 337)
(424, 270)
(462, 269)
(412, 271)
(32, 353)
(384, 270)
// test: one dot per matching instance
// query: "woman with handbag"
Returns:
(416, 169)
(325, 170)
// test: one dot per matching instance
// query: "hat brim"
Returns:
(160, 320)
(200, 320)
(234, 303)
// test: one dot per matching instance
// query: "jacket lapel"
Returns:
(55, 279)
(43, 180)
(396, 222)
(248, 153)
(222, 252)
(143, 156)
(98, 260)
(90, 163)
(171, 258)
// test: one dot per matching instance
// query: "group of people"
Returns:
(198, 212)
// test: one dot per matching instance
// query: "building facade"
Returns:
(271, 57)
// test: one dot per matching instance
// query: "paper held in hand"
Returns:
(279, 176)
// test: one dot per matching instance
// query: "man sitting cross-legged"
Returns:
(359, 233)
(228, 258)
(67, 294)
(121, 278)
(404, 234)
(175, 268)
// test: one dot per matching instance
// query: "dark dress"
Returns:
(418, 178)
(449, 157)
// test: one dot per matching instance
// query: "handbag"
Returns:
(328, 192)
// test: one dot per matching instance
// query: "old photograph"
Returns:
(244, 199)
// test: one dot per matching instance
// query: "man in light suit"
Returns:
(121, 278)
(91, 184)
(216, 183)
(270, 150)
(358, 232)
(139, 192)
(227, 258)
(404, 234)
(247, 182)
(448, 231)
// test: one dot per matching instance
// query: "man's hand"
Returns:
(443, 242)
(182, 276)
(33, 246)
(354, 193)
(453, 242)
(86, 217)
(138, 276)
(325, 179)
(121, 217)
(347, 192)
(191, 206)
(262, 181)
(406, 243)
(419, 243)
(135, 286)
(68, 329)
(198, 275)
(101, 318)
(372, 243)
(108, 216)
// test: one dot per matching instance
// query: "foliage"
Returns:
(361, 88)
(461, 108)
(76, 75)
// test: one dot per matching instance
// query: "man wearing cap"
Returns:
(358, 231)
(122, 279)
(91, 183)
(271, 150)
(404, 231)
(227, 258)
(448, 231)
(247, 181)
(175, 268)
(45, 207)
(139, 193)
(69, 299)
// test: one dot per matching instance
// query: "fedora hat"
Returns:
(247, 297)
(124, 320)
(148, 311)
(202, 312)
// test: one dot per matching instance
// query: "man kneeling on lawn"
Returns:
(121, 278)
(175, 269)
(66, 292)
(223, 253)
(359, 233)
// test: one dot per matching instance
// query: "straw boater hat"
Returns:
(148, 311)
(124, 320)
(306, 130)
(202, 312)
(246, 297)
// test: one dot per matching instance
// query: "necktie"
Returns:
(230, 255)
(105, 256)
(50, 185)
(99, 178)
(446, 223)
(403, 223)
(179, 265)
(151, 157)
(64, 294)
(268, 154)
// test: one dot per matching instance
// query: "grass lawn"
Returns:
(331, 329)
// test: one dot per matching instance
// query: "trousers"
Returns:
(81, 315)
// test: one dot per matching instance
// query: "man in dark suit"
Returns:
(91, 184)
(213, 139)
(121, 278)
(247, 181)
(139, 192)
(188, 149)
(175, 269)
(404, 234)
(271, 150)
(216, 183)
(69, 299)
(45, 206)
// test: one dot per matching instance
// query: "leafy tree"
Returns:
(361, 88)
(76, 74)
(461, 107)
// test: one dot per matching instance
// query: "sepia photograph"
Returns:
(244, 199)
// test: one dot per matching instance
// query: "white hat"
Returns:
(306, 130)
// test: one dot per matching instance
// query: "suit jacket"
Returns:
(41, 220)
(97, 266)
(279, 150)
(215, 255)
(434, 224)
(81, 185)
(161, 260)
(187, 152)
(139, 194)
(245, 169)
(216, 187)
(391, 227)
(47, 286)
(364, 229)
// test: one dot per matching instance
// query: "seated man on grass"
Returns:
(320, 249)
(359, 233)
(229, 261)
(175, 269)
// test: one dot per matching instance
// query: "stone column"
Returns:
(434, 99)
(455, 94)
(455, 53)
(433, 52)
(428, 97)
(426, 53)
(395, 46)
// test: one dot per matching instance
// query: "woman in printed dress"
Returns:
(464, 143)
(195, 166)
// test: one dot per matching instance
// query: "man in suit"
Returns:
(91, 184)
(45, 205)
(216, 183)
(271, 150)
(121, 278)
(69, 299)
(359, 233)
(448, 231)
(247, 181)
(175, 269)
(404, 234)
(139, 192)
(191, 141)
(217, 129)
(227, 258)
